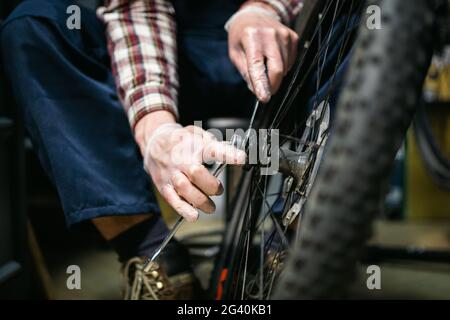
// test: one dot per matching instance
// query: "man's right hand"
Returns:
(174, 158)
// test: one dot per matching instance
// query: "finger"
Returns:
(191, 194)
(223, 152)
(257, 68)
(203, 180)
(284, 47)
(180, 206)
(275, 66)
(293, 50)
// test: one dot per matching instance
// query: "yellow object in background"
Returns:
(437, 84)
(425, 199)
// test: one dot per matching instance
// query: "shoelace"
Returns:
(151, 281)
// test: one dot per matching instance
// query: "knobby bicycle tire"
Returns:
(376, 107)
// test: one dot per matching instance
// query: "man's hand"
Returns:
(257, 39)
(174, 157)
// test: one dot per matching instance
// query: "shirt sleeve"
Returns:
(142, 44)
(286, 9)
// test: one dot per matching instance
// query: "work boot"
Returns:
(170, 277)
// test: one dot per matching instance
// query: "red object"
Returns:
(223, 277)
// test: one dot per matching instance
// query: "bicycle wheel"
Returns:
(376, 108)
(268, 209)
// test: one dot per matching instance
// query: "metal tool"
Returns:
(216, 172)
(252, 120)
(174, 230)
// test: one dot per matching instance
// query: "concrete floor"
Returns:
(100, 270)
(400, 280)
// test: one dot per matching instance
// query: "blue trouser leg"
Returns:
(64, 87)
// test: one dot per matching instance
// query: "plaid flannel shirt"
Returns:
(142, 45)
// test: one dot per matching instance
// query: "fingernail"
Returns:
(265, 98)
(264, 93)
(220, 188)
(213, 205)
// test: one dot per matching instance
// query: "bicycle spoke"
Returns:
(245, 264)
(261, 263)
(289, 97)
